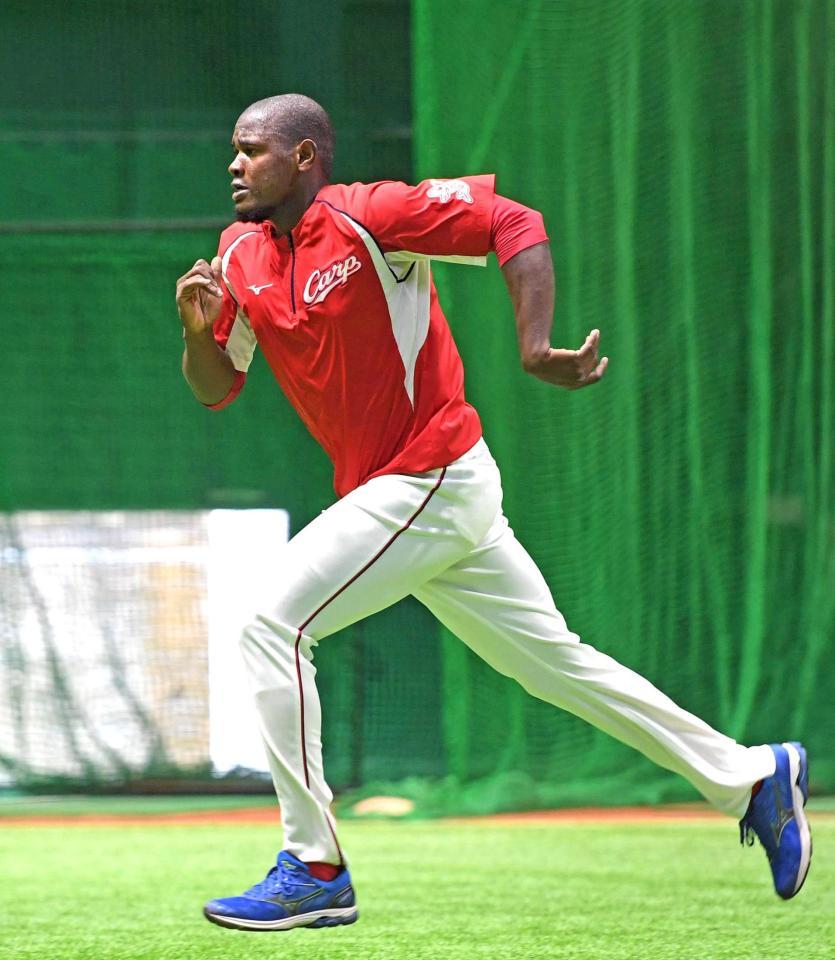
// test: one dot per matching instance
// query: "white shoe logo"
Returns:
(321, 282)
(257, 290)
(445, 190)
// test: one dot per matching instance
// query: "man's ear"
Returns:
(306, 155)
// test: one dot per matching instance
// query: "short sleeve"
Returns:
(435, 219)
(515, 228)
(232, 330)
(232, 333)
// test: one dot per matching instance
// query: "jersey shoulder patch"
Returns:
(446, 190)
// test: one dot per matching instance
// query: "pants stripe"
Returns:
(330, 599)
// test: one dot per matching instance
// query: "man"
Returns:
(333, 283)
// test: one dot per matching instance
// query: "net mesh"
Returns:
(682, 154)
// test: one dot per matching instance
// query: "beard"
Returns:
(256, 215)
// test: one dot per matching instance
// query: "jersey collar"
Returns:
(270, 230)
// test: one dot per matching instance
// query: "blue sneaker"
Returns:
(288, 897)
(776, 816)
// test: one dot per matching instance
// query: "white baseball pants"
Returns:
(442, 537)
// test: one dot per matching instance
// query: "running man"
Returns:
(333, 283)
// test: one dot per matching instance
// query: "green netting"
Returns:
(682, 153)
(115, 120)
(682, 511)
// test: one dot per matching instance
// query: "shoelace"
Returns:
(280, 879)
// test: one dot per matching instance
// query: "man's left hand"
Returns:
(571, 369)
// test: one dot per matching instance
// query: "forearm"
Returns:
(530, 281)
(207, 369)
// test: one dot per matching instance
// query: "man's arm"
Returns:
(208, 369)
(529, 276)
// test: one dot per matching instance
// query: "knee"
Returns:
(270, 634)
(269, 656)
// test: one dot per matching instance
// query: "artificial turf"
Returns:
(439, 890)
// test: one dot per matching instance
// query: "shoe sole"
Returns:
(333, 917)
(799, 776)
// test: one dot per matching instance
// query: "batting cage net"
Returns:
(683, 155)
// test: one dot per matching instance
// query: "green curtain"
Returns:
(682, 510)
(115, 121)
(682, 153)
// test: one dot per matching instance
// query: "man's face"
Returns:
(263, 173)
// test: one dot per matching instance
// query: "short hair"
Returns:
(293, 117)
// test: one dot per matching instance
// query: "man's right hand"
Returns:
(199, 296)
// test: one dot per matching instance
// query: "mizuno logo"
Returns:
(257, 290)
(784, 815)
(321, 282)
(445, 190)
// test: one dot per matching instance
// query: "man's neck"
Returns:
(287, 215)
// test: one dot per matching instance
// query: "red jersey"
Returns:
(346, 313)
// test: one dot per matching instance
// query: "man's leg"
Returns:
(497, 602)
(371, 548)
(367, 551)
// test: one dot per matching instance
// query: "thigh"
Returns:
(368, 550)
(496, 601)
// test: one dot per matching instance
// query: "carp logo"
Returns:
(445, 190)
(321, 282)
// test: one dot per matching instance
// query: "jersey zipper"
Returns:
(292, 273)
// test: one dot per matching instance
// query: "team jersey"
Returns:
(345, 311)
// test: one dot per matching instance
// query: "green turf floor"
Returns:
(674, 891)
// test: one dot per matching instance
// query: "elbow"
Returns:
(235, 388)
